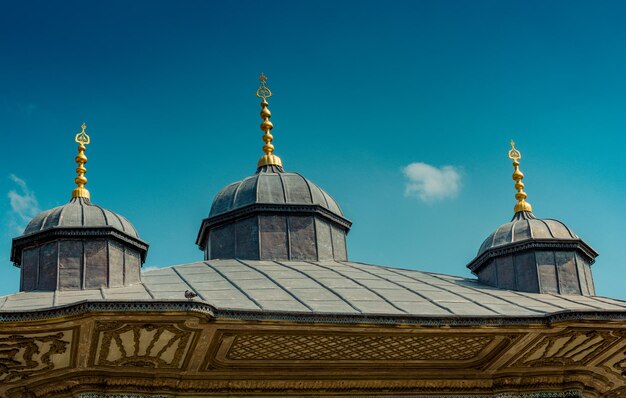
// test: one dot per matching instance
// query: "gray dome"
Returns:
(272, 188)
(79, 212)
(525, 226)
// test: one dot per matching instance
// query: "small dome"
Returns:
(272, 188)
(525, 226)
(79, 212)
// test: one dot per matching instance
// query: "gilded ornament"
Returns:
(269, 159)
(82, 139)
(521, 204)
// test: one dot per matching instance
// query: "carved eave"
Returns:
(186, 348)
(49, 235)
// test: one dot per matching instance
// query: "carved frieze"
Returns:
(144, 345)
(269, 349)
(569, 348)
(25, 355)
(351, 347)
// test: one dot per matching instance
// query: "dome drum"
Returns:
(277, 236)
(536, 256)
(274, 216)
(78, 246)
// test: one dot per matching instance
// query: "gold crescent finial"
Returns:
(82, 139)
(521, 204)
(269, 159)
(263, 91)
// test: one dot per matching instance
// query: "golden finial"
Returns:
(82, 139)
(521, 204)
(269, 159)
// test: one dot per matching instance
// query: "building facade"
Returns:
(277, 309)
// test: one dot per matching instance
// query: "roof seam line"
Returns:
(575, 302)
(322, 285)
(406, 288)
(148, 290)
(188, 284)
(360, 284)
(120, 220)
(548, 227)
(276, 283)
(458, 294)
(536, 299)
(492, 295)
(236, 286)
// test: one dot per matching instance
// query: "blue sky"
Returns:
(361, 91)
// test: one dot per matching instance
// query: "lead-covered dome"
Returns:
(523, 227)
(78, 245)
(272, 188)
(274, 215)
(534, 255)
(79, 212)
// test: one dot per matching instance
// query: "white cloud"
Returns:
(149, 268)
(430, 183)
(24, 205)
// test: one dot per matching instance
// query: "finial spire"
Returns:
(521, 204)
(82, 139)
(269, 159)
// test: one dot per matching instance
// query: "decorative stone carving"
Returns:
(144, 345)
(26, 355)
(570, 348)
(356, 348)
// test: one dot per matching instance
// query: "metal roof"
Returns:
(348, 288)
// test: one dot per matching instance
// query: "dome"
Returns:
(525, 226)
(78, 246)
(79, 212)
(274, 215)
(535, 255)
(272, 188)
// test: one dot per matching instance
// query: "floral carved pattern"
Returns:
(146, 345)
(351, 347)
(22, 356)
(570, 348)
